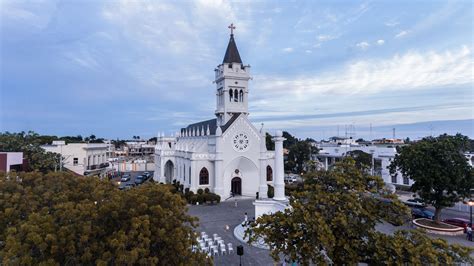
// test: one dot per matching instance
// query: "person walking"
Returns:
(469, 232)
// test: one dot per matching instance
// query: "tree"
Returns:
(438, 168)
(30, 144)
(269, 142)
(63, 219)
(332, 221)
(363, 160)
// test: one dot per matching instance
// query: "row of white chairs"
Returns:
(213, 246)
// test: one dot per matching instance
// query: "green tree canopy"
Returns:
(63, 219)
(439, 169)
(29, 143)
(332, 219)
(363, 160)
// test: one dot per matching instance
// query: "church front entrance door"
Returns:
(236, 186)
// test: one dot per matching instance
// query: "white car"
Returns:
(290, 179)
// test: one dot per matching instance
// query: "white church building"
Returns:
(226, 154)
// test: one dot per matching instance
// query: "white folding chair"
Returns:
(216, 239)
(223, 251)
(229, 248)
(220, 242)
(215, 251)
(214, 236)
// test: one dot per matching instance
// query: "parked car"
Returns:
(124, 186)
(125, 178)
(461, 222)
(422, 213)
(290, 179)
(146, 174)
(139, 179)
(415, 203)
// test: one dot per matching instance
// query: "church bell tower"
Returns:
(232, 78)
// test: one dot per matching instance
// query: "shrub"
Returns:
(181, 188)
(188, 195)
(206, 190)
(270, 192)
(207, 198)
(193, 199)
(200, 198)
(200, 191)
(186, 190)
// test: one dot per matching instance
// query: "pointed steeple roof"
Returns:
(232, 54)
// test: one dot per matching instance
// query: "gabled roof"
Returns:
(232, 53)
(212, 125)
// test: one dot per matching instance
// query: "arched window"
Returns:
(236, 96)
(230, 95)
(204, 177)
(241, 96)
(269, 173)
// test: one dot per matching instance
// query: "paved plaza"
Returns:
(213, 220)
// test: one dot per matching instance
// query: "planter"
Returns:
(444, 229)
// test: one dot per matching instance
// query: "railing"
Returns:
(97, 166)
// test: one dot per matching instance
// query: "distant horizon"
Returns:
(414, 131)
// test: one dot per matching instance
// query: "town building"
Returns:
(81, 158)
(12, 161)
(382, 153)
(226, 154)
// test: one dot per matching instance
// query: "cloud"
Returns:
(409, 71)
(363, 45)
(288, 50)
(392, 23)
(401, 34)
(325, 38)
(380, 42)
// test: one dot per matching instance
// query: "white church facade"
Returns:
(226, 154)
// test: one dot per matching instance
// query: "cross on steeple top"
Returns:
(232, 28)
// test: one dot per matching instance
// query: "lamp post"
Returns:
(470, 203)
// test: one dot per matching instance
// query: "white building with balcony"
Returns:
(382, 155)
(81, 158)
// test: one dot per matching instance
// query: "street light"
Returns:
(470, 203)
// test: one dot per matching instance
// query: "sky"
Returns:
(118, 69)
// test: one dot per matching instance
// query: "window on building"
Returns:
(231, 92)
(204, 177)
(236, 95)
(241, 96)
(406, 181)
(394, 179)
(189, 175)
(269, 173)
(75, 161)
(184, 171)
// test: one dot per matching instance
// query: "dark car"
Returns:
(139, 179)
(146, 175)
(464, 223)
(422, 213)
